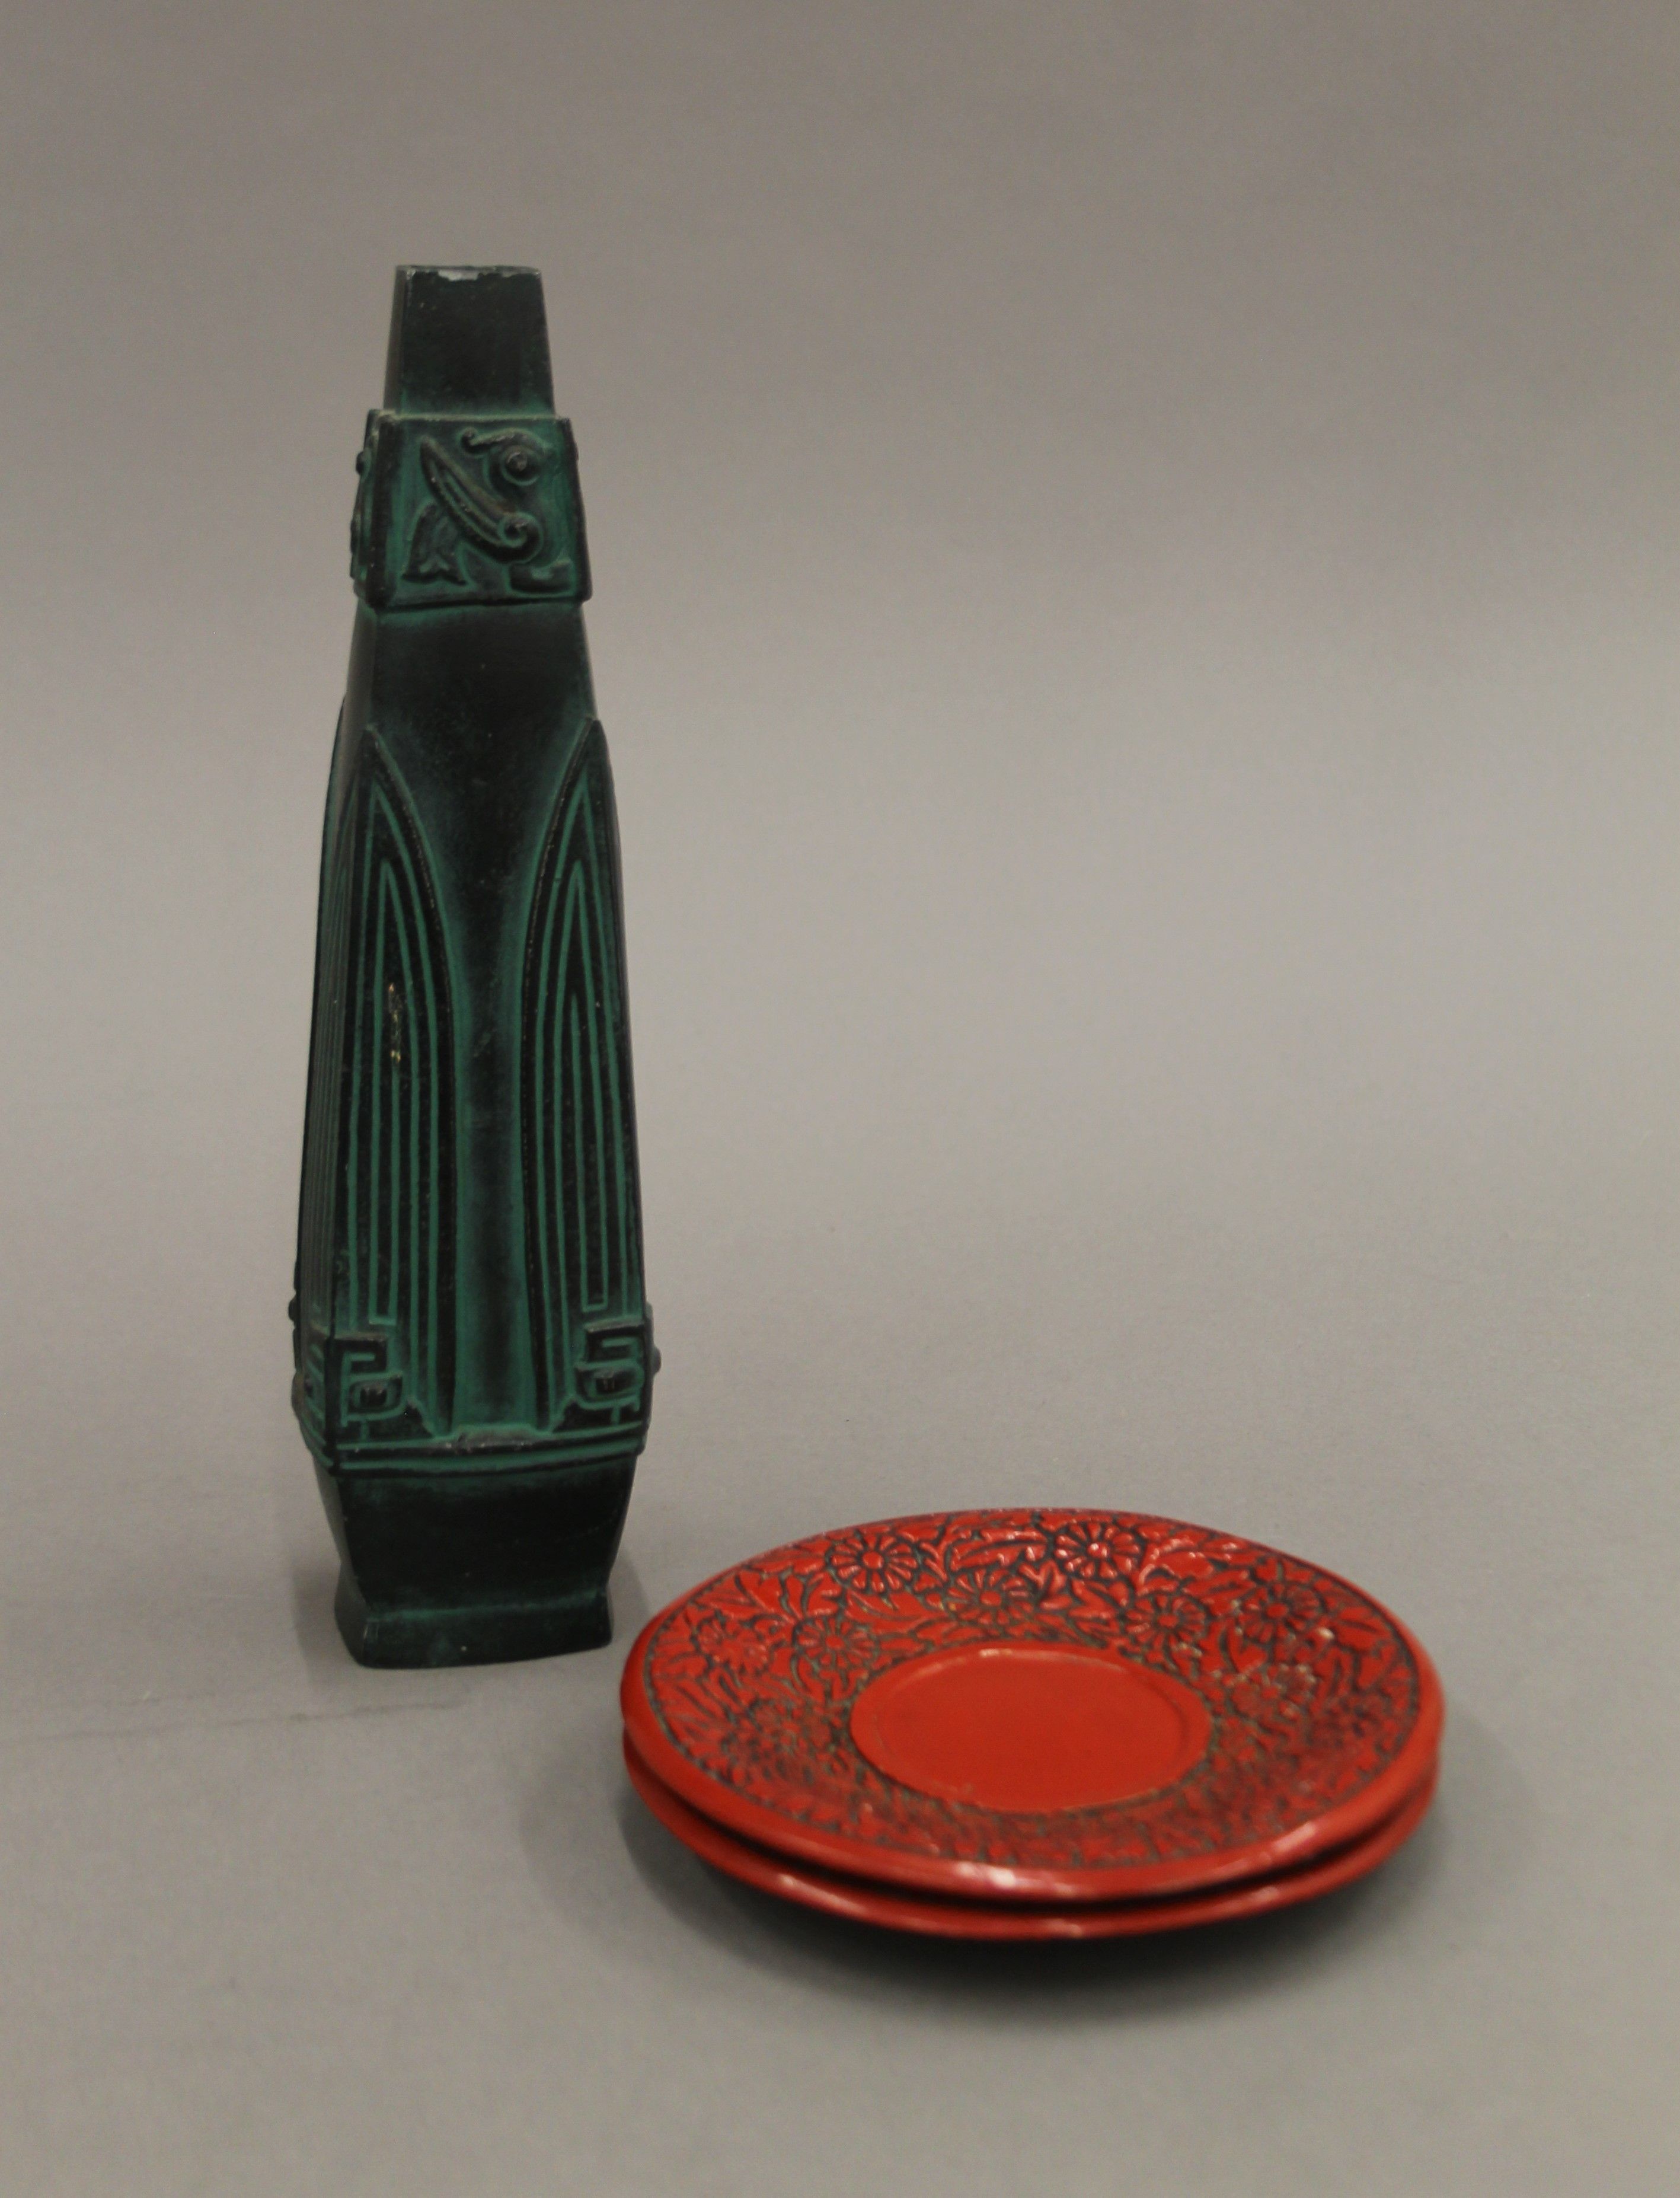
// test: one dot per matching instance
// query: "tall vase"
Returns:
(472, 1347)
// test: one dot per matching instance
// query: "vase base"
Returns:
(489, 1566)
(472, 1633)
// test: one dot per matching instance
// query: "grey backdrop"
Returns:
(1138, 565)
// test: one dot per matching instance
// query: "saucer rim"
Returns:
(888, 1907)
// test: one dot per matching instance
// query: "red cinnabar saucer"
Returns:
(861, 1901)
(1035, 1706)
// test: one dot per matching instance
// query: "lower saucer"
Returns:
(862, 1902)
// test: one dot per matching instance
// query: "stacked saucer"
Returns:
(1033, 1724)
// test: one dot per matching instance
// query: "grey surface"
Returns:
(1138, 552)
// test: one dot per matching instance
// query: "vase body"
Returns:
(474, 1356)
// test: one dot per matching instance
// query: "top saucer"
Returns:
(1041, 1705)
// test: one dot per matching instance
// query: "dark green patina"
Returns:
(474, 1352)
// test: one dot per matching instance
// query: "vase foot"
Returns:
(475, 1633)
(486, 1566)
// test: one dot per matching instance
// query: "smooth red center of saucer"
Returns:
(1029, 1728)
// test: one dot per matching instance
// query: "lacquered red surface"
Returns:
(1323, 1713)
(862, 1901)
(1011, 1725)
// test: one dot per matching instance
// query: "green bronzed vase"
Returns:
(472, 1346)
